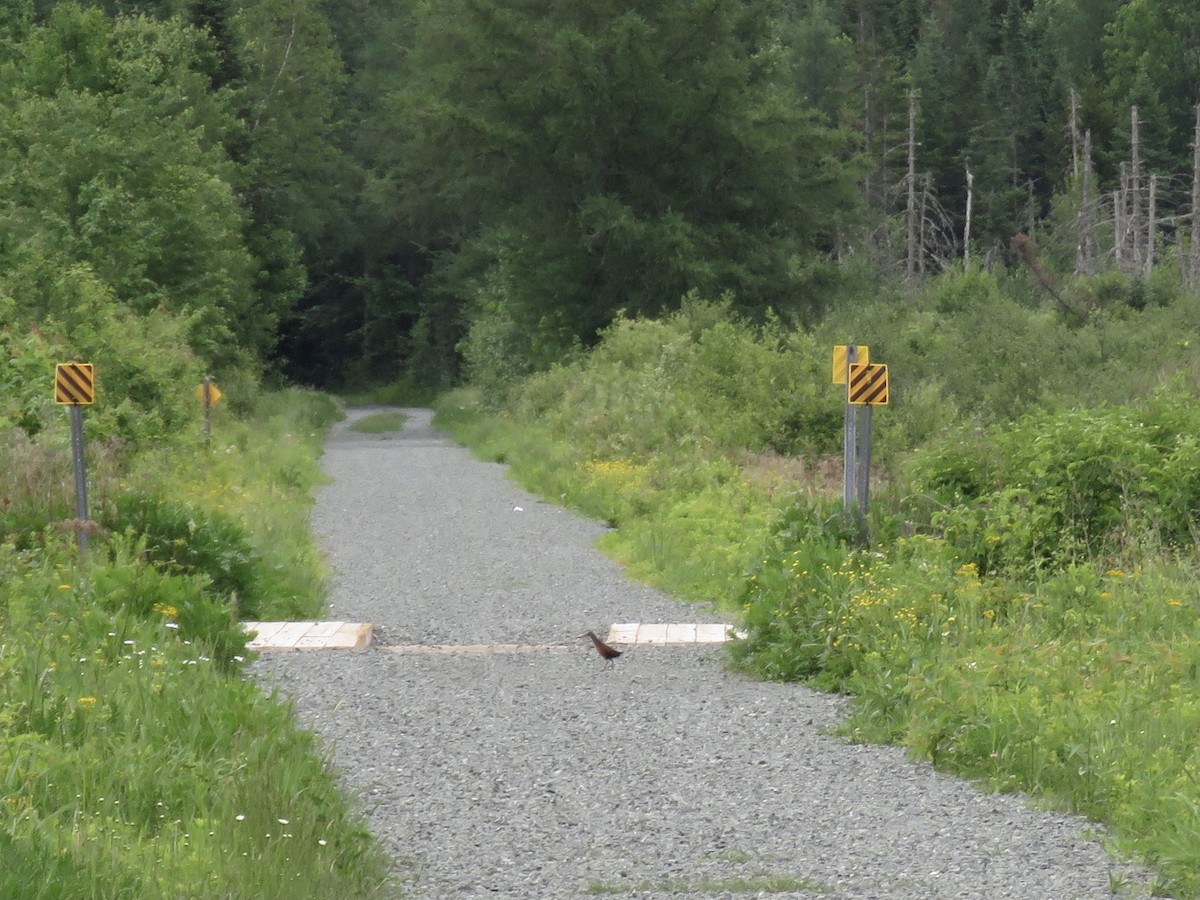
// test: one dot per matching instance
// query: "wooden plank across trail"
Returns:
(268, 636)
(308, 635)
(671, 633)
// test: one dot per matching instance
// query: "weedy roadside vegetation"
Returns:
(136, 760)
(1025, 610)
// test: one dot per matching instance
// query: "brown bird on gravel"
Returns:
(608, 653)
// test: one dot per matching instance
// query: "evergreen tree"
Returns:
(356, 318)
(576, 160)
(1153, 57)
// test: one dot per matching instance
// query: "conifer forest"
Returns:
(357, 191)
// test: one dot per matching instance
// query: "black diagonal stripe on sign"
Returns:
(75, 383)
(860, 380)
(868, 384)
(876, 392)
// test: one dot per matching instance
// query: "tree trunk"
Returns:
(911, 269)
(967, 226)
(1085, 250)
(1194, 260)
(1074, 129)
(1135, 191)
(1151, 211)
(878, 112)
(923, 241)
(1121, 221)
(866, 45)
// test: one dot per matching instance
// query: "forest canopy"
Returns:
(354, 192)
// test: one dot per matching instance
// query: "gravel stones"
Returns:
(536, 773)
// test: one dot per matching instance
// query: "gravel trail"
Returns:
(536, 773)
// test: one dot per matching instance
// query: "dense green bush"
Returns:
(182, 539)
(146, 376)
(1054, 488)
(699, 375)
(975, 347)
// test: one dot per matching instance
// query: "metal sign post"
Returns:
(75, 386)
(864, 461)
(866, 387)
(208, 394)
(77, 457)
(849, 440)
(207, 409)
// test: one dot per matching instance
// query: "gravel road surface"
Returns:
(534, 772)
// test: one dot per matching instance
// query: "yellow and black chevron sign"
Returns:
(75, 383)
(868, 384)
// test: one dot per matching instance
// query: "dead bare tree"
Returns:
(1121, 250)
(1193, 268)
(1135, 189)
(1073, 129)
(911, 267)
(967, 225)
(1151, 211)
(1086, 248)
(1027, 252)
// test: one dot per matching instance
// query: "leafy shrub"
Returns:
(145, 372)
(505, 343)
(27, 361)
(1119, 292)
(297, 410)
(1057, 487)
(698, 376)
(182, 539)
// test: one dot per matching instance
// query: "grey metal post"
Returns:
(864, 461)
(77, 455)
(849, 442)
(207, 409)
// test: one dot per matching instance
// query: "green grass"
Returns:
(136, 760)
(404, 392)
(380, 423)
(259, 473)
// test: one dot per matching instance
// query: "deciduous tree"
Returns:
(572, 160)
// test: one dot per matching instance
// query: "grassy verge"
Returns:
(135, 758)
